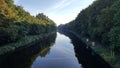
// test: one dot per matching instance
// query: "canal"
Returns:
(61, 55)
(63, 52)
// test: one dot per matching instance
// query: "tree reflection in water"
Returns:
(24, 58)
(86, 56)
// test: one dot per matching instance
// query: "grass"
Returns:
(105, 53)
(23, 42)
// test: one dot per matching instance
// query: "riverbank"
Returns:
(24, 42)
(104, 52)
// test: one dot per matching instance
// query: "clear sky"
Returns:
(60, 11)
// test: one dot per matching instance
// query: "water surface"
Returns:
(61, 55)
(55, 52)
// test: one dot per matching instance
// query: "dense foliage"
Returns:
(100, 22)
(15, 23)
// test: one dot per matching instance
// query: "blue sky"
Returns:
(60, 11)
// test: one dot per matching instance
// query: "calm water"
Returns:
(54, 52)
(61, 55)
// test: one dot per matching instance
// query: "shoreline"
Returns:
(99, 49)
(25, 42)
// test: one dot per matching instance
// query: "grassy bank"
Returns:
(24, 42)
(104, 52)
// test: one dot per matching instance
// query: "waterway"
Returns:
(60, 51)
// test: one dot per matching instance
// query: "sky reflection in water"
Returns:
(61, 55)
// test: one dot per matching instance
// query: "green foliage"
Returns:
(41, 16)
(117, 18)
(8, 34)
(27, 41)
(5, 9)
(114, 38)
(100, 22)
(16, 23)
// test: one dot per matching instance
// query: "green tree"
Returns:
(114, 38)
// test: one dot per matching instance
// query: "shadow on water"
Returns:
(86, 56)
(25, 57)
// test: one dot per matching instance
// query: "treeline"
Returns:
(16, 23)
(100, 22)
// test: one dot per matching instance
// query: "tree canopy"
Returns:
(15, 22)
(100, 22)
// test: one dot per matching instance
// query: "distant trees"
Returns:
(100, 22)
(42, 16)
